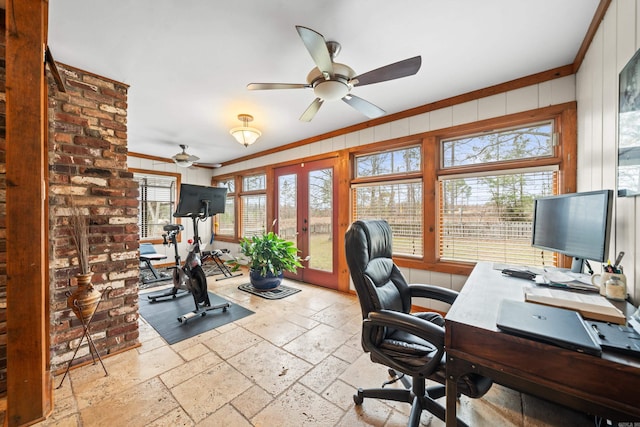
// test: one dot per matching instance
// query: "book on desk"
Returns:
(589, 305)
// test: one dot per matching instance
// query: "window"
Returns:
(487, 214)
(253, 204)
(157, 203)
(227, 221)
(390, 188)
(388, 163)
(510, 144)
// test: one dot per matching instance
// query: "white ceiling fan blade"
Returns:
(365, 107)
(311, 110)
(317, 47)
(270, 86)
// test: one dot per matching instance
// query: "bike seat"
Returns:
(173, 227)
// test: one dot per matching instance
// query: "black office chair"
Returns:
(411, 344)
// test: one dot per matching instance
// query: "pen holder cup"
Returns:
(601, 278)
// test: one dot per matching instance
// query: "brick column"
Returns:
(88, 163)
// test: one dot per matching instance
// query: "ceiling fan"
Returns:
(331, 80)
(185, 159)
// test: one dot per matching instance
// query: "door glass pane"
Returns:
(320, 218)
(287, 207)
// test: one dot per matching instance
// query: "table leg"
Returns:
(451, 385)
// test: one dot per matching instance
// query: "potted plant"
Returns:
(268, 256)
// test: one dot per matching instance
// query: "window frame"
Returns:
(216, 182)
(178, 178)
(564, 117)
(409, 177)
(238, 179)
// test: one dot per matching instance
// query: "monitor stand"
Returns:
(577, 265)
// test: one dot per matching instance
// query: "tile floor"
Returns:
(295, 362)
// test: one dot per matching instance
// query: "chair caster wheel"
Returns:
(358, 398)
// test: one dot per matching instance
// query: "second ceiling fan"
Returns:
(331, 80)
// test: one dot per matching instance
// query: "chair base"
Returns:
(420, 397)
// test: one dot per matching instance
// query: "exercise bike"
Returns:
(189, 278)
(180, 287)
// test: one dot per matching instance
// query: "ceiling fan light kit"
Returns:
(245, 134)
(184, 159)
(331, 80)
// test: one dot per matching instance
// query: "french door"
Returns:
(307, 212)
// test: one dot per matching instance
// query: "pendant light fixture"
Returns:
(244, 134)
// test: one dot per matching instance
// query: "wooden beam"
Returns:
(29, 392)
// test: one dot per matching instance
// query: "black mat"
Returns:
(165, 274)
(163, 316)
(277, 293)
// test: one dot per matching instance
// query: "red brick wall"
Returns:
(88, 162)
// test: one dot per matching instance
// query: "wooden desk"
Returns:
(606, 386)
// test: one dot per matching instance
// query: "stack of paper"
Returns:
(569, 280)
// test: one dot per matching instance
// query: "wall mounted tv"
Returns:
(576, 224)
(200, 201)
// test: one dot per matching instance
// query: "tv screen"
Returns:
(200, 201)
(577, 225)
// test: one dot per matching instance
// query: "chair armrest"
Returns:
(433, 292)
(406, 322)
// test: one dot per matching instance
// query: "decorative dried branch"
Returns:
(78, 222)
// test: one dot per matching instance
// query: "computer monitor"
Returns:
(577, 225)
(200, 201)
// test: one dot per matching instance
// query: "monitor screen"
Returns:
(577, 225)
(200, 201)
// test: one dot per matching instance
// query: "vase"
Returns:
(260, 282)
(84, 300)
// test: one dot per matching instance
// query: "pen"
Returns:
(617, 263)
(589, 269)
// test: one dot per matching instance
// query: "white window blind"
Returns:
(226, 220)
(489, 217)
(156, 197)
(254, 214)
(400, 204)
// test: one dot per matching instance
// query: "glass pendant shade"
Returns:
(244, 134)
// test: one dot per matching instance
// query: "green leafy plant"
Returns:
(269, 252)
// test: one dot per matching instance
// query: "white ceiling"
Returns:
(188, 62)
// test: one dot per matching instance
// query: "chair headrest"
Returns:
(368, 239)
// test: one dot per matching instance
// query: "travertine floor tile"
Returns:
(323, 374)
(193, 352)
(373, 414)
(135, 406)
(271, 367)
(278, 332)
(91, 386)
(232, 342)
(174, 418)
(295, 362)
(188, 370)
(318, 343)
(252, 401)
(209, 390)
(302, 408)
(226, 416)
